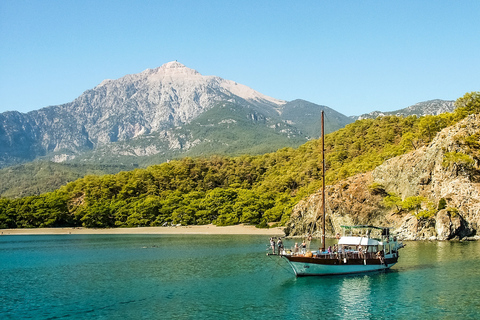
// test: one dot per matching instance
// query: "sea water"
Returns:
(223, 277)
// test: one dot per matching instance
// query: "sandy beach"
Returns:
(205, 229)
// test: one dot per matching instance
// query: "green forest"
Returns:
(258, 190)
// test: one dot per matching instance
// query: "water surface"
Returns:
(223, 277)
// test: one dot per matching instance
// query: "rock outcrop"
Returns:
(450, 187)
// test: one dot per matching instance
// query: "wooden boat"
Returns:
(362, 248)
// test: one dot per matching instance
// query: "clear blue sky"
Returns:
(353, 56)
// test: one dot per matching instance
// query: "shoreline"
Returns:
(203, 229)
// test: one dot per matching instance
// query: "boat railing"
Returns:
(333, 255)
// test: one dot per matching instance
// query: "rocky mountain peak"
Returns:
(175, 68)
(170, 72)
(173, 65)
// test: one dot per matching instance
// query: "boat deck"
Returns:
(344, 258)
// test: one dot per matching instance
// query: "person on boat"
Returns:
(329, 249)
(360, 252)
(304, 247)
(280, 245)
(295, 249)
(335, 250)
(380, 256)
(272, 244)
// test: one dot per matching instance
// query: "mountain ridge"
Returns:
(135, 106)
(429, 107)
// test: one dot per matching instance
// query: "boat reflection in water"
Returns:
(361, 249)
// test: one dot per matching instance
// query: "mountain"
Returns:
(306, 116)
(156, 115)
(430, 107)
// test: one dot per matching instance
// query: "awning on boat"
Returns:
(364, 227)
(355, 241)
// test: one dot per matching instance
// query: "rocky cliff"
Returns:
(443, 178)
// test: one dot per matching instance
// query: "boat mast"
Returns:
(323, 181)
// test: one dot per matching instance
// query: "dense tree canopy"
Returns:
(228, 190)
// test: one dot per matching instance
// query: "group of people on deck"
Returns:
(348, 250)
(277, 247)
(303, 247)
(278, 243)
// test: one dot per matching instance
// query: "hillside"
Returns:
(39, 177)
(432, 192)
(222, 190)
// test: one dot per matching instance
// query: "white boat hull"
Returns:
(305, 268)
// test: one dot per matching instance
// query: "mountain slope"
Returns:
(225, 129)
(39, 177)
(306, 117)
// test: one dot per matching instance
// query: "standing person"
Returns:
(309, 240)
(360, 252)
(280, 245)
(295, 249)
(304, 247)
(272, 244)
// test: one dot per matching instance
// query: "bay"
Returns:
(223, 277)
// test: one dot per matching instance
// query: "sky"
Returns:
(352, 56)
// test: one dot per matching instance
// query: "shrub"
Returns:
(442, 204)
(452, 211)
(376, 188)
(262, 224)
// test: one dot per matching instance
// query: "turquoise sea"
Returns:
(223, 277)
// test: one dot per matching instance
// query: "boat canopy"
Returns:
(355, 241)
(363, 227)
